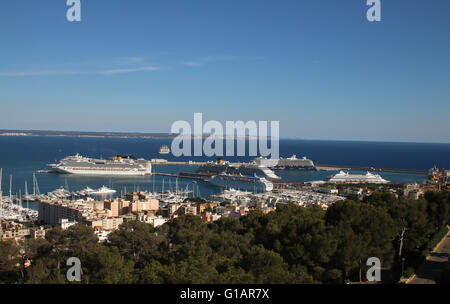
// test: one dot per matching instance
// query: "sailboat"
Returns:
(26, 193)
(35, 186)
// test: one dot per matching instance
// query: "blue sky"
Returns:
(317, 66)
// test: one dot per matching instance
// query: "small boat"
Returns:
(103, 191)
(86, 191)
(59, 193)
(164, 150)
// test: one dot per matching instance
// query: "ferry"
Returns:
(240, 182)
(345, 177)
(118, 165)
(164, 150)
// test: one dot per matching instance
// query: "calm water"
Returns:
(21, 156)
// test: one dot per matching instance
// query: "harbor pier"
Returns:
(320, 167)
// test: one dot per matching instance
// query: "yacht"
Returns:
(103, 191)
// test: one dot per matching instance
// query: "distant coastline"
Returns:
(87, 134)
(169, 136)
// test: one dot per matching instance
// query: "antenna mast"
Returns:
(10, 186)
(26, 192)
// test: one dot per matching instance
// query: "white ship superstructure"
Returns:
(345, 177)
(103, 191)
(252, 169)
(119, 165)
(286, 163)
(164, 150)
(246, 169)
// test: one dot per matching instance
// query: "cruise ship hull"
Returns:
(345, 177)
(298, 168)
(291, 163)
(116, 166)
(100, 172)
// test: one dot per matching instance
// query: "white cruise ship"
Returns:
(345, 177)
(118, 165)
(226, 167)
(240, 182)
(286, 163)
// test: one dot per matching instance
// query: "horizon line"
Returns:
(140, 133)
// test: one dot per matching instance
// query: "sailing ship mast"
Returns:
(26, 192)
(35, 186)
(10, 185)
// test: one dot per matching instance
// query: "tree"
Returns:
(137, 241)
(105, 265)
(362, 231)
(81, 240)
(438, 208)
(58, 241)
(153, 272)
(36, 248)
(268, 267)
(9, 262)
(193, 270)
(38, 273)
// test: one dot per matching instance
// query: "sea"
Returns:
(21, 156)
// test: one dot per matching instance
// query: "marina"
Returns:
(306, 198)
(224, 151)
(11, 207)
(168, 174)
